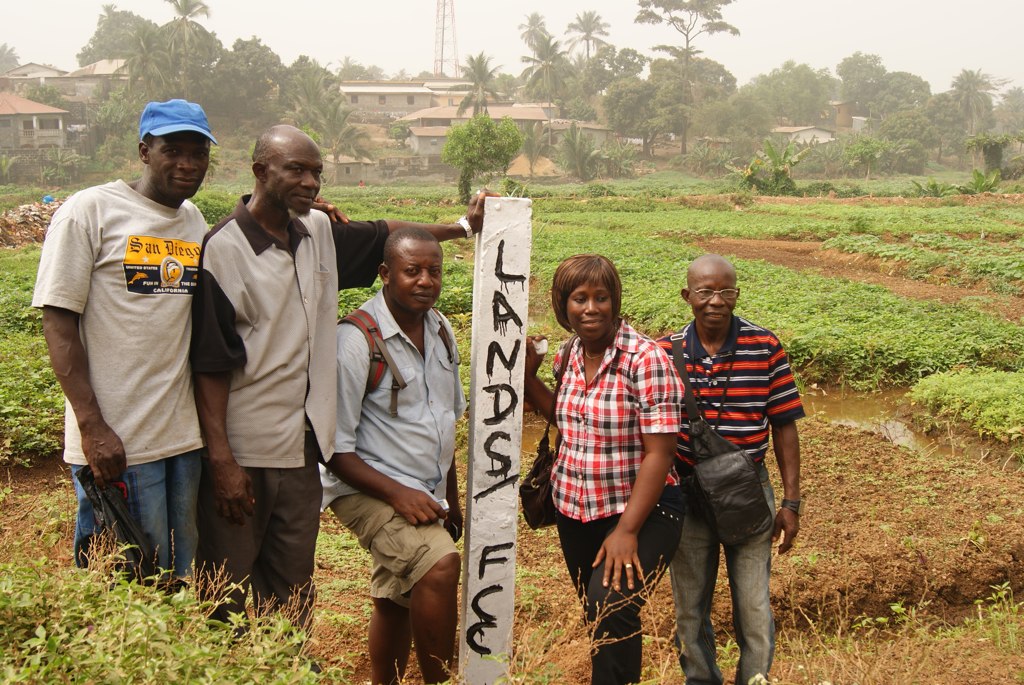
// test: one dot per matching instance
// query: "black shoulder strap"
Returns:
(679, 359)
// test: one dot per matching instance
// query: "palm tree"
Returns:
(182, 32)
(310, 93)
(579, 157)
(545, 71)
(148, 61)
(479, 72)
(8, 58)
(534, 31)
(338, 135)
(588, 29)
(534, 144)
(972, 92)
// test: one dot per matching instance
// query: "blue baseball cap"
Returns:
(161, 118)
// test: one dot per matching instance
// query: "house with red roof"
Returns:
(25, 124)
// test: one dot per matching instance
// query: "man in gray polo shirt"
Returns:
(263, 350)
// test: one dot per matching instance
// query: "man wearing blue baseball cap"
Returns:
(116, 278)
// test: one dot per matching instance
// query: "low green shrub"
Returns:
(988, 401)
(31, 401)
(63, 625)
(215, 204)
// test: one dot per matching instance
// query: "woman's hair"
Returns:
(584, 269)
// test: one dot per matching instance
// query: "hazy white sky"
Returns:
(934, 39)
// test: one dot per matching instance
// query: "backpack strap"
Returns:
(380, 358)
(446, 338)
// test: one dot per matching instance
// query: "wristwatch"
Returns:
(794, 505)
(464, 222)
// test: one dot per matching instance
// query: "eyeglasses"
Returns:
(705, 294)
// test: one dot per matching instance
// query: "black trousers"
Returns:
(272, 552)
(615, 616)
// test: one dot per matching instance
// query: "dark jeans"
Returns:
(272, 552)
(617, 657)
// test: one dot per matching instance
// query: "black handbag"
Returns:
(727, 485)
(111, 511)
(538, 503)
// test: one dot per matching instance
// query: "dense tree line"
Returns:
(681, 93)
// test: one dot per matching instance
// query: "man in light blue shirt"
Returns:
(392, 477)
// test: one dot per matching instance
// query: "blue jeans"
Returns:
(694, 571)
(162, 498)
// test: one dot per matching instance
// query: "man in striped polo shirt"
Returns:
(743, 385)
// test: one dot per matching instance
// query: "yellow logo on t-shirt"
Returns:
(160, 266)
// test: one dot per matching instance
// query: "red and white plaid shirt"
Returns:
(635, 391)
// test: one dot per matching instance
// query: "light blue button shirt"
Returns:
(415, 448)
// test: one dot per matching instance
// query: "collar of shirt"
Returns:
(728, 347)
(259, 239)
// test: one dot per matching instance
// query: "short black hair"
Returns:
(406, 235)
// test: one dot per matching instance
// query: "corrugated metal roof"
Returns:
(428, 130)
(15, 104)
(495, 112)
(384, 88)
(104, 67)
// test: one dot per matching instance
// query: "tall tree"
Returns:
(797, 93)
(588, 28)
(338, 135)
(1010, 112)
(533, 31)
(481, 75)
(630, 108)
(900, 91)
(248, 76)
(861, 76)
(148, 61)
(944, 114)
(184, 33)
(690, 19)
(114, 36)
(8, 58)
(609, 65)
(545, 73)
(972, 92)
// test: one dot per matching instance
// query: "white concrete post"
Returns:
(500, 303)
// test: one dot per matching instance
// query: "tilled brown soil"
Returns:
(808, 256)
(883, 525)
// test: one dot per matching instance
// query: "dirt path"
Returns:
(808, 256)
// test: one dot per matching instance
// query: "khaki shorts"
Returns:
(402, 553)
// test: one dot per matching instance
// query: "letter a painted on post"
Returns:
(500, 303)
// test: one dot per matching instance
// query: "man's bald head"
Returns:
(287, 165)
(711, 266)
(279, 137)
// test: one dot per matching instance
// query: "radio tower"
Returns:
(446, 54)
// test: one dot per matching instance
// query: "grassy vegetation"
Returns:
(64, 625)
(985, 400)
(961, 260)
(837, 332)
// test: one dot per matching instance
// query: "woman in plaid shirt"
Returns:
(619, 504)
